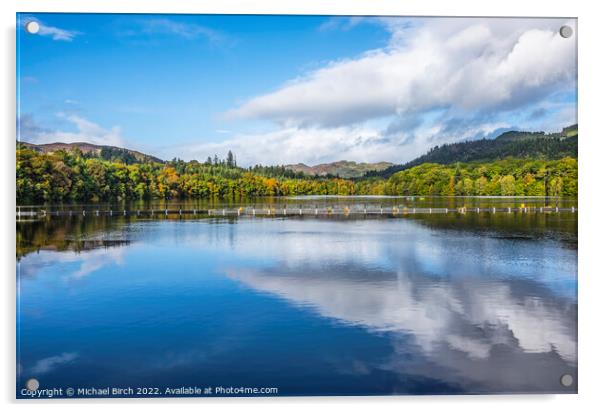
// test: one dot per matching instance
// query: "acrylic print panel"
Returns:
(218, 205)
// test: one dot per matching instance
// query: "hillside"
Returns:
(512, 144)
(111, 153)
(343, 168)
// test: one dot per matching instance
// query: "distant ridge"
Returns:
(342, 168)
(515, 144)
(113, 153)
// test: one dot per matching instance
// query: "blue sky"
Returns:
(287, 89)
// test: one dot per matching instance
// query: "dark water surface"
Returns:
(311, 306)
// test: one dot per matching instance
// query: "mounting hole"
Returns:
(566, 380)
(32, 27)
(566, 31)
(32, 384)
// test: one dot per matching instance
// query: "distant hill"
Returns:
(112, 153)
(343, 168)
(514, 144)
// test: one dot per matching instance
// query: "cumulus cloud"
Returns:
(85, 131)
(479, 65)
(314, 145)
(437, 81)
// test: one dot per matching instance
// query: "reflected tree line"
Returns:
(70, 233)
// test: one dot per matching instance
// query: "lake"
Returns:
(330, 305)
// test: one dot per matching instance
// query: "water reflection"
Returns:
(436, 304)
(80, 264)
(488, 311)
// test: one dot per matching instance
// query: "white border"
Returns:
(590, 94)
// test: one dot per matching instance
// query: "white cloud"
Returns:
(164, 26)
(478, 65)
(55, 33)
(314, 145)
(86, 131)
(440, 81)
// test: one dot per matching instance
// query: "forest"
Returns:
(65, 176)
(526, 145)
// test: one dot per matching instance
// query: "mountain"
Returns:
(112, 153)
(343, 168)
(511, 144)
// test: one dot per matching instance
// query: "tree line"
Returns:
(523, 145)
(71, 176)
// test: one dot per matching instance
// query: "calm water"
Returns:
(311, 306)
